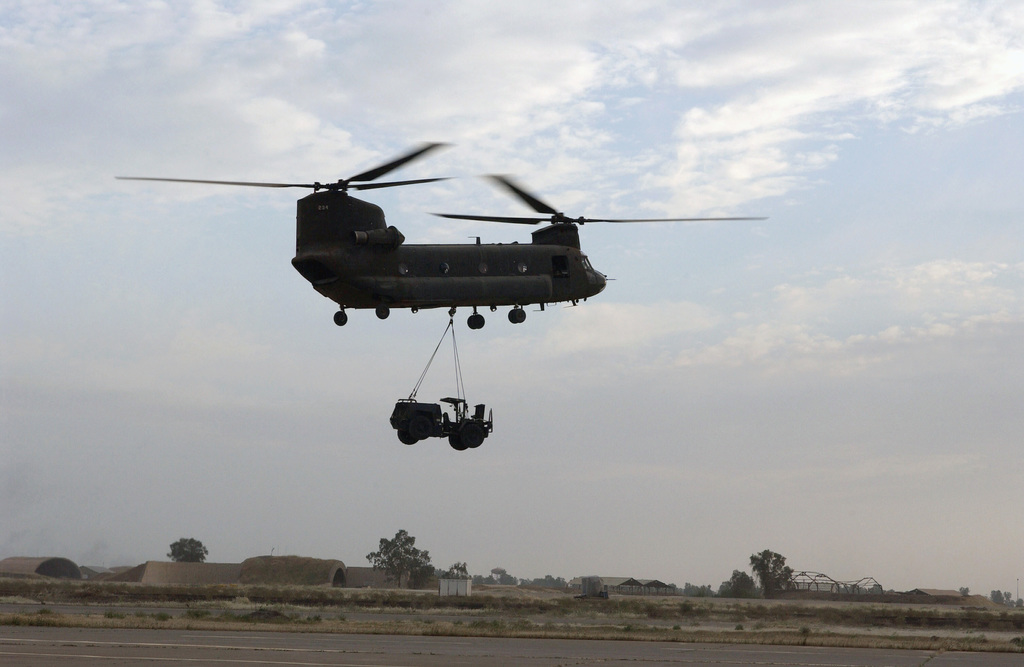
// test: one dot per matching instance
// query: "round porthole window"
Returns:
(483, 267)
(521, 267)
(444, 268)
(403, 269)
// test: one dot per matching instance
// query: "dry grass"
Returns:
(512, 629)
(516, 613)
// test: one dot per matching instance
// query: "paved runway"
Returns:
(46, 647)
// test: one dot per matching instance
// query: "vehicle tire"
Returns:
(517, 316)
(420, 427)
(472, 435)
(455, 440)
(341, 318)
(407, 438)
(383, 311)
(475, 321)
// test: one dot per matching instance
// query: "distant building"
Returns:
(626, 586)
(59, 568)
(94, 572)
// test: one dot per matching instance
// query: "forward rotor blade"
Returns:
(494, 218)
(532, 201)
(377, 172)
(393, 184)
(244, 183)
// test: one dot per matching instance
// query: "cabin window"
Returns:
(560, 266)
(483, 267)
(521, 267)
(403, 269)
(444, 268)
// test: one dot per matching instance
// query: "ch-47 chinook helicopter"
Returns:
(349, 254)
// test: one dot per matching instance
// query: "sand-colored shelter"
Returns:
(293, 571)
(270, 570)
(158, 572)
(367, 577)
(60, 568)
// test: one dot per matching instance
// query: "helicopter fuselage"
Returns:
(347, 252)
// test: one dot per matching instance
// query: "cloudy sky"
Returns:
(840, 383)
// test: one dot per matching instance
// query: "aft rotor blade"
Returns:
(579, 221)
(377, 172)
(532, 201)
(584, 220)
(244, 183)
(494, 218)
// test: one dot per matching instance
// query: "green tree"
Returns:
(188, 550)
(740, 585)
(693, 591)
(456, 571)
(965, 591)
(1001, 597)
(547, 582)
(501, 576)
(401, 561)
(771, 571)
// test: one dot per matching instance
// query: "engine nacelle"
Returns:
(389, 237)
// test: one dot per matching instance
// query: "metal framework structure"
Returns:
(816, 581)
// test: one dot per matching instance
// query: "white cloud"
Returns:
(913, 64)
(845, 323)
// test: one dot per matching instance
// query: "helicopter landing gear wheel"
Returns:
(472, 435)
(517, 315)
(475, 321)
(420, 427)
(383, 311)
(406, 438)
(341, 318)
(455, 440)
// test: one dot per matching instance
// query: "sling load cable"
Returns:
(460, 388)
(458, 371)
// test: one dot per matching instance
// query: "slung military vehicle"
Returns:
(416, 421)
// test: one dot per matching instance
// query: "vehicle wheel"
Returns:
(383, 311)
(341, 318)
(476, 321)
(420, 427)
(455, 440)
(517, 316)
(407, 438)
(472, 435)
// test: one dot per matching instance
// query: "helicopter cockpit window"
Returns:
(586, 263)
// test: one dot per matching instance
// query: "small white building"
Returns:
(454, 587)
